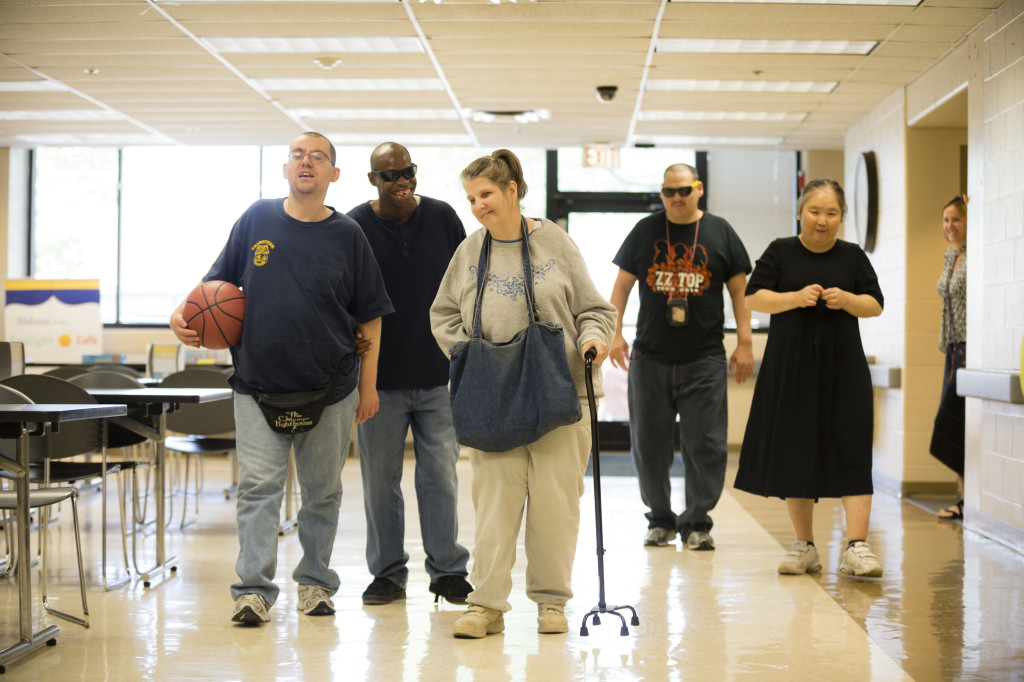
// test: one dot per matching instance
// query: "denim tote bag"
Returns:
(509, 394)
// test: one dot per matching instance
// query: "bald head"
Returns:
(387, 149)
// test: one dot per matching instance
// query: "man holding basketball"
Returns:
(311, 284)
(413, 238)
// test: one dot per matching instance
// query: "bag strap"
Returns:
(481, 277)
(327, 389)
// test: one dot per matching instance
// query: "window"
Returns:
(177, 207)
(75, 218)
(149, 221)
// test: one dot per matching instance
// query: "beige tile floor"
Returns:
(950, 606)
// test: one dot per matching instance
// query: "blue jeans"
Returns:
(658, 391)
(381, 458)
(262, 466)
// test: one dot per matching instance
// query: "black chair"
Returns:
(121, 437)
(117, 436)
(66, 371)
(43, 499)
(12, 358)
(118, 369)
(207, 428)
(73, 439)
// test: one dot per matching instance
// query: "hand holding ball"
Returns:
(215, 311)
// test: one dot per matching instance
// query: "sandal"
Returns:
(952, 513)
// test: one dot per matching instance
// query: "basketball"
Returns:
(215, 311)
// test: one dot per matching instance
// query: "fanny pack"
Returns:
(293, 413)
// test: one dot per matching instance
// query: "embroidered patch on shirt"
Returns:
(513, 285)
(261, 252)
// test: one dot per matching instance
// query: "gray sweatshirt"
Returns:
(564, 294)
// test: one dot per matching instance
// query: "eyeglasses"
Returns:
(315, 157)
(392, 175)
(669, 192)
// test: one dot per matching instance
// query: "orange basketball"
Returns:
(215, 311)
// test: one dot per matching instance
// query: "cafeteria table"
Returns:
(22, 421)
(144, 404)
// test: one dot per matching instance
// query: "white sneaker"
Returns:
(315, 601)
(858, 559)
(250, 609)
(659, 537)
(801, 558)
(699, 540)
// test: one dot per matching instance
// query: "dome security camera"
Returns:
(606, 93)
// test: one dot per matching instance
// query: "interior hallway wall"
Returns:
(995, 444)
(822, 163)
(991, 62)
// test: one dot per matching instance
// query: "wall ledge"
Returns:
(886, 376)
(989, 384)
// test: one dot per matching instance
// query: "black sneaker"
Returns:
(382, 591)
(453, 588)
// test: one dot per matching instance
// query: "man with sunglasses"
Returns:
(682, 258)
(413, 238)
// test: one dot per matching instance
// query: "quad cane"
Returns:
(602, 607)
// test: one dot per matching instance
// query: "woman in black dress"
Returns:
(948, 435)
(812, 418)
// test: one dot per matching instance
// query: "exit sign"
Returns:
(600, 157)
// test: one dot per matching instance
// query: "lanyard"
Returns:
(672, 250)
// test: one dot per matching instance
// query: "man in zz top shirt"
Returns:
(693, 262)
(682, 258)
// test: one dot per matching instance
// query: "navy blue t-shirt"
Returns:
(307, 287)
(677, 267)
(413, 257)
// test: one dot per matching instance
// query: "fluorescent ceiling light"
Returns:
(32, 86)
(718, 45)
(426, 139)
(269, 84)
(754, 116)
(698, 141)
(669, 85)
(203, 2)
(378, 114)
(904, 3)
(315, 44)
(92, 140)
(62, 115)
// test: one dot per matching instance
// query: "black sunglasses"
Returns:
(392, 175)
(669, 192)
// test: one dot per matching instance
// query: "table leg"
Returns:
(28, 641)
(159, 482)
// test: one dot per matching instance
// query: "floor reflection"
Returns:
(949, 607)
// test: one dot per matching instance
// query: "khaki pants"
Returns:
(545, 478)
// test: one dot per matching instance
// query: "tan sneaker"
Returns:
(315, 600)
(551, 619)
(478, 622)
(659, 537)
(250, 609)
